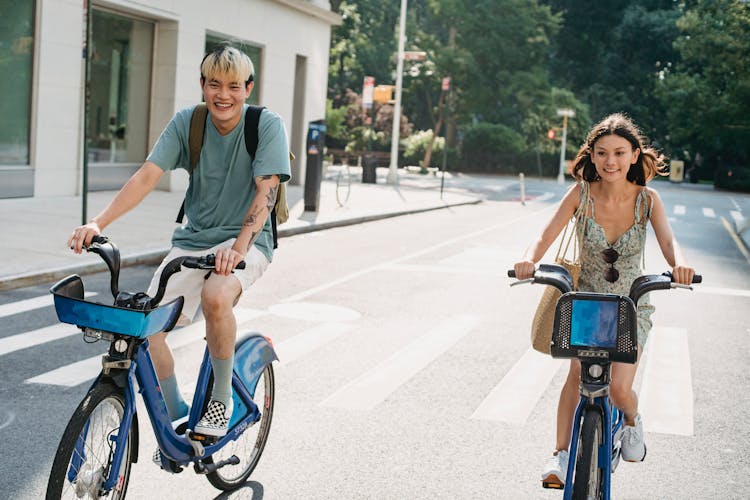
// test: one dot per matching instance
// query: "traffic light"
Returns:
(551, 133)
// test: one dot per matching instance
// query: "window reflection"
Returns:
(120, 81)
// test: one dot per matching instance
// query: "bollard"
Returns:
(523, 189)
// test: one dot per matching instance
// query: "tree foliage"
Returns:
(708, 92)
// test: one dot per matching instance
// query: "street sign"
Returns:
(413, 55)
(367, 92)
(566, 112)
(446, 85)
(383, 94)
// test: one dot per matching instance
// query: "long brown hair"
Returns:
(650, 162)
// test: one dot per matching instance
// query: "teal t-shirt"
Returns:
(223, 183)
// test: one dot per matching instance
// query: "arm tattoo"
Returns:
(250, 220)
(271, 197)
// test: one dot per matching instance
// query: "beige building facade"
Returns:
(143, 67)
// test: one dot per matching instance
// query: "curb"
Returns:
(156, 256)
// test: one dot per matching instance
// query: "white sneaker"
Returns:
(555, 470)
(215, 421)
(633, 445)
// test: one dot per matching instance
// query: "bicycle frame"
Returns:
(177, 447)
(598, 399)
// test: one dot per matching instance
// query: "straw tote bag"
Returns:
(541, 327)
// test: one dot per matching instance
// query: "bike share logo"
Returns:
(593, 354)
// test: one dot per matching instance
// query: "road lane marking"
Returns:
(738, 219)
(82, 371)
(8, 420)
(307, 341)
(375, 385)
(29, 304)
(737, 241)
(420, 268)
(316, 289)
(679, 209)
(666, 396)
(514, 398)
(715, 290)
(709, 212)
(36, 337)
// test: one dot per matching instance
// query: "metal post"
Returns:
(86, 99)
(523, 188)
(561, 173)
(395, 136)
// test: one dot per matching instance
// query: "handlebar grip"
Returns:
(511, 273)
(99, 238)
(697, 278)
(241, 265)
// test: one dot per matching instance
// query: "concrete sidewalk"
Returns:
(35, 230)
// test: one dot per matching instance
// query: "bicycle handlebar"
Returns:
(559, 277)
(110, 254)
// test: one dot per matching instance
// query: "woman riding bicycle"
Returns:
(612, 169)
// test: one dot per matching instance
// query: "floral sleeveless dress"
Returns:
(630, 247)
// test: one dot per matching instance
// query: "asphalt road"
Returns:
(422, 384)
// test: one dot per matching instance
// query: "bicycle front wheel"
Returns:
(84, 457)
(249, 446)
(588, 476)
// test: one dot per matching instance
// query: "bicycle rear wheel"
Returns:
(84, 457)
(588, 477)
(249, 446)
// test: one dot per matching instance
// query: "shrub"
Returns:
(733, 178)
(416, 144)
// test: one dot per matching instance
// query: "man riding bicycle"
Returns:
(228, 202)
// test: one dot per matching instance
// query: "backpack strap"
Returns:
(195, 143)
(252, 122)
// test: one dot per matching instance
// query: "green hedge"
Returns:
(733, 178)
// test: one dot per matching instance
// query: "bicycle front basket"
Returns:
(71, 307)
(594, 325)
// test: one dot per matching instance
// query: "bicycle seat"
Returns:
(72, 308)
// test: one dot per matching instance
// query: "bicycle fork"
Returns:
(596, 397)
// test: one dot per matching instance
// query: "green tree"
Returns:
(707, 94)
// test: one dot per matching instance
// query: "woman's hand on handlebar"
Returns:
(82, 235)
(524, 269)
(683, 274)
(226, 260)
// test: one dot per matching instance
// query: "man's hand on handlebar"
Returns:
(82, 236)
(226, 260)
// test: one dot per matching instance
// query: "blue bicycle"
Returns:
(100, 441)
(598, 329)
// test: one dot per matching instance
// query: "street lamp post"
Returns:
(395, 136)
(565, 113)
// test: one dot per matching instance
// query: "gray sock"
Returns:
(222, 390)
(170, 391)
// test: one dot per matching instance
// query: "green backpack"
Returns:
(280, 212)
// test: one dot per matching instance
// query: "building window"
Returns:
(253, 52)
(120, 82)
(16, 62)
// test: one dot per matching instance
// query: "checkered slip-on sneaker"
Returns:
(215, 421)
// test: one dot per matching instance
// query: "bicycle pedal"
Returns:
(551, 485)
(202, 438)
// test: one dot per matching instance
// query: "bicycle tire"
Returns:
(95, 419)
(249, 446)
(588, 476)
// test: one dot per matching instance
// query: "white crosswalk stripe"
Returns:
(36, 337)
(679, 209)
(514, 398)
(30, 304)
(372, 387)
(666, 396)
(709, 212)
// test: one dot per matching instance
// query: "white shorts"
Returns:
(189, 282)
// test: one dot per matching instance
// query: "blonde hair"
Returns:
(650, 162)
(226, 60)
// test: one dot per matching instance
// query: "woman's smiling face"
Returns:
(612, 156)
